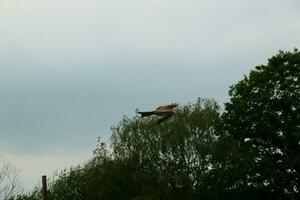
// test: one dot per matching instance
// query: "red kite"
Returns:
(165, 112)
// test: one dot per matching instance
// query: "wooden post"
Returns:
(44, 187)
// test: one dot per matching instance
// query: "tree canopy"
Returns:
(263, 115)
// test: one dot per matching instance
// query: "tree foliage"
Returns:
(263, 116)
(146, 160)
(169, 161)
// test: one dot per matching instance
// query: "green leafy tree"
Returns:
(169, 161)
(69, 184)
(146, 160)
(33, 195)
(263, 120)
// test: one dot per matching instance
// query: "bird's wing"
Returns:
(159, 107)
(163, 109)
(167, 107)
(170, 105)
(164, 118)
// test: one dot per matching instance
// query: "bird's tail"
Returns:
(145, 114)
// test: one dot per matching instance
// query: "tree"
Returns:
(147, 160)
(9, 184)
(33, 195)
(169, 161)
(263, 117)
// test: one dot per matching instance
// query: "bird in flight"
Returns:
(165, 111)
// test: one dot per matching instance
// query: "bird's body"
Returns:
(165, 111)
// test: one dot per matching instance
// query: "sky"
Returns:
(72, 69)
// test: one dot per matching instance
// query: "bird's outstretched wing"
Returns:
(167, 107)
(164, 118)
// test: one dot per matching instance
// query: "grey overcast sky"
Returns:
(71, 69)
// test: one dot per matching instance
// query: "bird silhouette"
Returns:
(165, 111)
